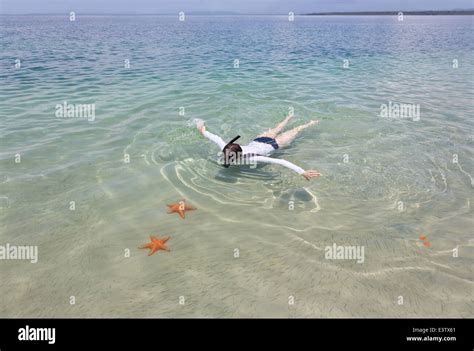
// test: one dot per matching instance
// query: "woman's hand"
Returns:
(202, 129)
(311, 174)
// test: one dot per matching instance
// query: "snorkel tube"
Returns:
(231, 142)
(226, 164)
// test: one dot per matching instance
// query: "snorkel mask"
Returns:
(226, 163)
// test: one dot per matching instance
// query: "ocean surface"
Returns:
(256, 245)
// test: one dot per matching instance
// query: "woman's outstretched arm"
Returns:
(212, 137)
(307, 174)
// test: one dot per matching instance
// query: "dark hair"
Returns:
(232, 152)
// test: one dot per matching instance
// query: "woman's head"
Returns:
(232, 153)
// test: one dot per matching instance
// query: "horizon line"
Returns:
(225, 13)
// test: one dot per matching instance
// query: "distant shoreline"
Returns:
(395, 13)
(217, 14)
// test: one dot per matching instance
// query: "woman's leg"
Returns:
(273, 132)
(286, 138)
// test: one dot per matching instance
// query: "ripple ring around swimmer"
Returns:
(190, 182)
(219, 196)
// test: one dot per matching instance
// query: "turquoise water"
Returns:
(279, 223)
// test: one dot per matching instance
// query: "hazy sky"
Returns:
(240, 6)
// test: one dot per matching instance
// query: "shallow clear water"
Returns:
(369, 164)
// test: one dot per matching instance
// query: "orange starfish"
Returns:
(155, 245)
(180, 208)
(422, 237)
(426, 243)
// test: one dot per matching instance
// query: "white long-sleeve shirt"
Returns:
(215, 138)
(255, 149)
